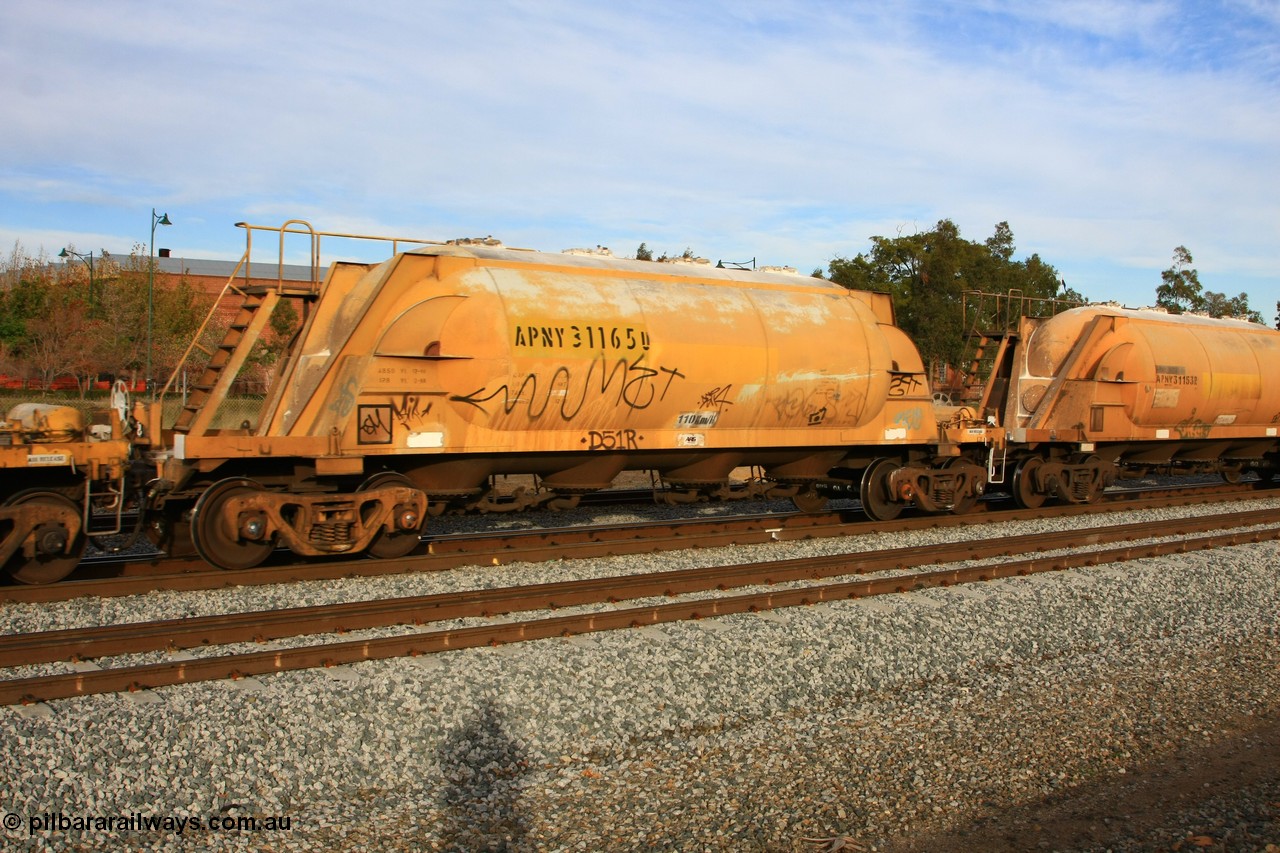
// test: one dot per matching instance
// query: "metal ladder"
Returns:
(226, 359)
(254, 301)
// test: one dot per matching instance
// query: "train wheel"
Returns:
(1025, 494)
(55, 557)
(809, 500)
(877, 502)
(1232, 474)
(215, 541)
(390, 545)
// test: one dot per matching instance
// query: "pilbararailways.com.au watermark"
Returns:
(139, 822)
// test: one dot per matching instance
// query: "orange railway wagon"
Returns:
(415, 381)
(56, 469)
(1100, 391)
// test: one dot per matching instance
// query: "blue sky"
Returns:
(1106, 133)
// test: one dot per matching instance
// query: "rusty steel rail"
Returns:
(257, 663)
(580, 542)
(259, 626)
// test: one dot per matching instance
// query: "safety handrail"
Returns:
(316, 238)
(244, 265)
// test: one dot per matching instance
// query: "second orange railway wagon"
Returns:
(57, 471)
(1101, 390)
(415, 381)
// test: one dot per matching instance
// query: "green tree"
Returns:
(26, 285)
(687, 255)
(55, 344)
(644, 253)
(177, 309)
(180, 309)
(46, 330)
(37, 317)
(1181, 290)
(1237, 307)
(927, 273)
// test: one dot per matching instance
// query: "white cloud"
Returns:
(1104, 133)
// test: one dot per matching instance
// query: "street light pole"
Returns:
(162, 219)
(67, 253)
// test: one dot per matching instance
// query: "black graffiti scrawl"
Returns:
(374, 424)
(631, 385)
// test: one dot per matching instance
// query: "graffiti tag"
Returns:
(375, 425)
(1193, 427)
(630, 384)
(410, 412)
(905, 385)
(818, 405)
(716, 398)
(346, 399)
(911, 419)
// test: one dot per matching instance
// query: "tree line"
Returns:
(1181, 292)
(60, 323)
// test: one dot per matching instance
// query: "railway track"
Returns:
(448, 552)
(16, 650)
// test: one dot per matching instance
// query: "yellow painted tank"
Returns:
(45, 422)
(586, 365)
(1162, 371)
